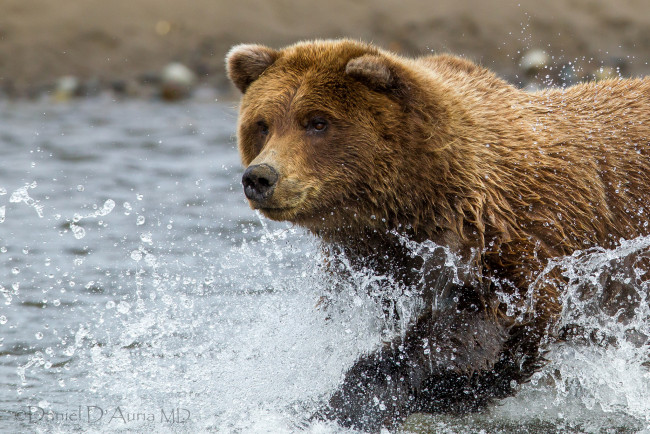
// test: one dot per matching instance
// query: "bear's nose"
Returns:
(259, 181)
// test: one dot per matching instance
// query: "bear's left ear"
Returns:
(375, 71)
(246, 62)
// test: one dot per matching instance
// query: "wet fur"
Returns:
(438, 148)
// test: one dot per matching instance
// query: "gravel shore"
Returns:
(131, 40)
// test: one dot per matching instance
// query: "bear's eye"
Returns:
(318, 125)
(263, 128)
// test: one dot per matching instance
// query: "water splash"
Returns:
(22, 195)
(249, 347)
(78, 231)
(598, 376)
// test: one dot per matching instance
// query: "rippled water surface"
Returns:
(139, 292)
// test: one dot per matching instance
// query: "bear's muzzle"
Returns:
(259, 182)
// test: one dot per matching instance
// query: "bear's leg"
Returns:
(430, 369)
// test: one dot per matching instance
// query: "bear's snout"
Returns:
(259, 182)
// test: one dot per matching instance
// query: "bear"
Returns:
(365, 148)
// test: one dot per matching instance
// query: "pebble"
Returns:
(176, 82)
(65, 88)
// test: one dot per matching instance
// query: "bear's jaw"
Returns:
(277, 214)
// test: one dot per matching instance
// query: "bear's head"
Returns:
(329, 132)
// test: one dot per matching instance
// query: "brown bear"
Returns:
(364, 147)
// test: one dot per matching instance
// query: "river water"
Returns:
(139, 293)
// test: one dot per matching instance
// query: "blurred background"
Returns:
(125, 45)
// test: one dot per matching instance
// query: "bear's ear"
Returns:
(373, 70)
(246, 62)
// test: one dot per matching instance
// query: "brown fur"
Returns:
(440, 149)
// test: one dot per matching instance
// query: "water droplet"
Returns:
(136, 255)
(77, 231)
(123, 307)
(140, 220)
(38, 335)
(106, 209)
(150, 260)
(146, 237)
(80, 187)
(3, 319)
(21, 195)
(167, 299)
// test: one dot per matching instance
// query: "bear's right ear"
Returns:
(246, 62)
